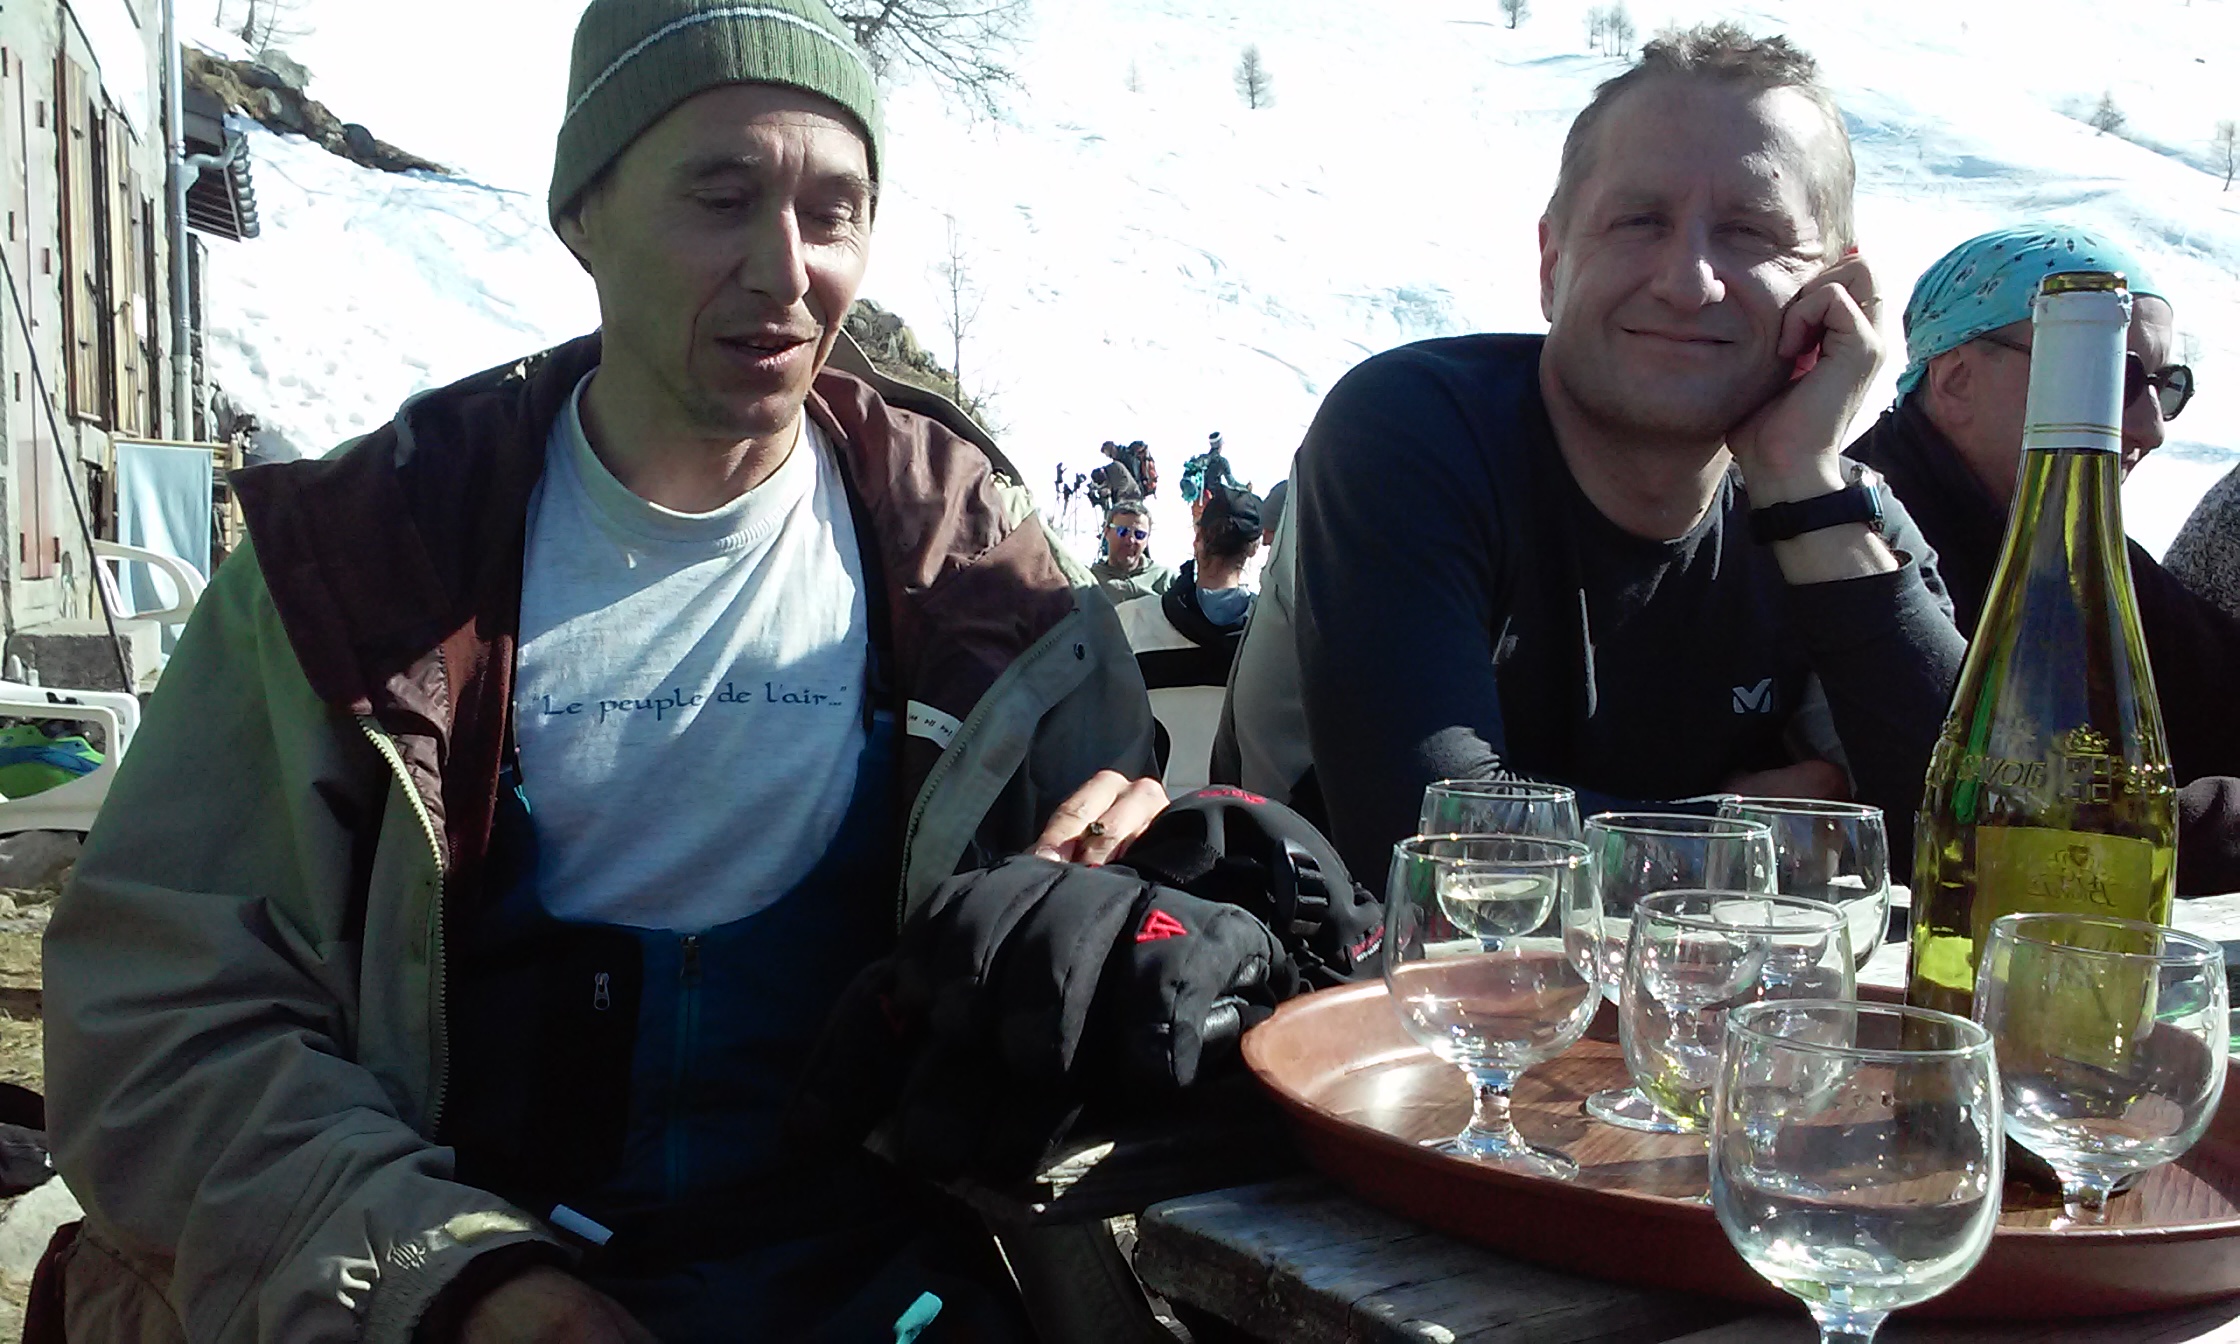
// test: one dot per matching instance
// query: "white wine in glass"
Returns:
(1488, 961)
(1696, 956)
(1637, 854)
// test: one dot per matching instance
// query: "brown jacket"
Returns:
(247, 1047)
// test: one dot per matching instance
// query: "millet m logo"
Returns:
(1756, 699)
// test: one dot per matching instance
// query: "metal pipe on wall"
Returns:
(177, 179)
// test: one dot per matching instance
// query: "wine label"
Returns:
(2078, 1013)
(2031, 868)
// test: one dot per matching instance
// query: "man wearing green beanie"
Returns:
(1951, 450)
(528, 788)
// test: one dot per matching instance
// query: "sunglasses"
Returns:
(1138, 533)
(2172, 383)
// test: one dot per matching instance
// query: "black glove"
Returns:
(1226, 845)
(1184, 983)
(1018, 990)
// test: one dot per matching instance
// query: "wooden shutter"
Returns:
(121, 280)
(84, 319)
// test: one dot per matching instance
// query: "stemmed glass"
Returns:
(1829, 851)
(2111, 1037)
(1500, 807)
(1489, 960)
(1637, 854)
(1695, 955)
(1855, 1154)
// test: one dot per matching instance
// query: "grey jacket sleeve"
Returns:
(210, 993)
(1888, 656)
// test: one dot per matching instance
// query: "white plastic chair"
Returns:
(71, 806)
(111, 557)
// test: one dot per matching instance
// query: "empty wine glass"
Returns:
(2111, 1037)
(1833, 852)
(1855, 1154)
(1695, 955)
(1500, 807)
(1489, 959)
(1637, 854)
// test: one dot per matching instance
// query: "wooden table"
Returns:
(1299, 1262)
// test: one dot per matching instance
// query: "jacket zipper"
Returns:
(688, 1031)
(440, 1031)
(950, 755)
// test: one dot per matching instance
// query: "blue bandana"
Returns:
(1987, 283)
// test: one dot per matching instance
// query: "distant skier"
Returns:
(1136, 457)
(1113, 482)
(1206, 472)
(1146, 469)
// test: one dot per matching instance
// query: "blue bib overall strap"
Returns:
(560, 1030)
(628, 1084)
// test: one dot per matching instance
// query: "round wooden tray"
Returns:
(1362, 1096)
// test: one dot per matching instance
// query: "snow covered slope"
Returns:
(1156, 261)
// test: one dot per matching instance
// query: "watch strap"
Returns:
(1858, 502)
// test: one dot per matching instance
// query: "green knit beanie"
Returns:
(636, 60)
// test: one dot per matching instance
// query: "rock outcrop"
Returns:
(272, 91)
(895, 350)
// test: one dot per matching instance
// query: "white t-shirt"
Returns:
(689, 706)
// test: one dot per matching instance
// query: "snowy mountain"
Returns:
(1153, 260)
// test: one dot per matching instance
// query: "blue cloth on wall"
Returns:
(163, 505)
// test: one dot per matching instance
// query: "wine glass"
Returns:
(1489, 959)
(1833, 852)
(1694, 956)
(1500, 807)
(2111, 1038)
(1637, 854)
(1855, 1154)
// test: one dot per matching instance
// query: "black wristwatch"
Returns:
(1858, 502)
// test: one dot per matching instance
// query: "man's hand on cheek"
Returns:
(1788, 450)
(1100, 819)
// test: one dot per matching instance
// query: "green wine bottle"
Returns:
(2050, 786)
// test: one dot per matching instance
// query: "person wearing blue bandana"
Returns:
(1951, 448)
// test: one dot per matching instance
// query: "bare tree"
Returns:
(2227, 144)
(1516, 11)
(1609, 31)
(265, 23)
(1618, 30)
(2106, 116)
(1254, 84)
(962, 44)
(961, 297)
(1134, 81)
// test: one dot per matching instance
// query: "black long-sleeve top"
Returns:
(1464, 610)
